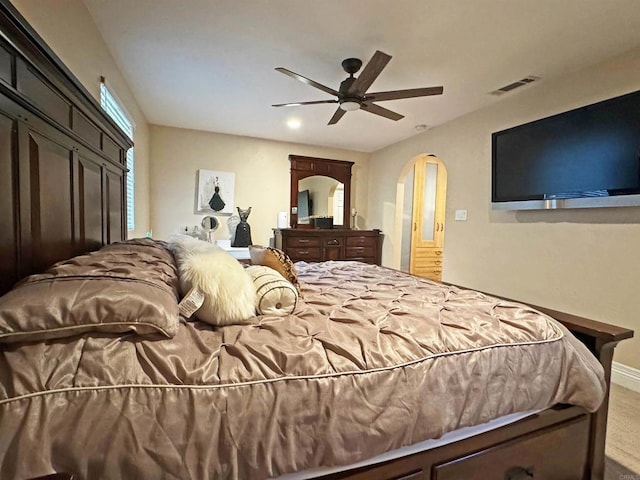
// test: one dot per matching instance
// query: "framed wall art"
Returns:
(215, 191)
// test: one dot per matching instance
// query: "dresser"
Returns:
(317, 245)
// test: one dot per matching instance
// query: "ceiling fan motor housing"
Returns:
(351, 65)
(345, 85)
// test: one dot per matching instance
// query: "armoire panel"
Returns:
(8, 204)
(43, 95)
(90, 207)
(115, 212)
(112, 149)
(86, 129)
(51, 201)
(5, 65)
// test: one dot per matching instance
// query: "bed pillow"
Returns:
(205, 270)
(276, 259)
(274, 294)
(125, 287)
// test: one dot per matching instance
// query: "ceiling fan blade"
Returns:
(370, 73)
(378, 110)
(296, 104)
(336, 116)
(308, 81)
(397, 94)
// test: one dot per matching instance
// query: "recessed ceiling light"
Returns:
(294, 123)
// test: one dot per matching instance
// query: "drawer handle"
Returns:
(519, 473)
(438, 252)
(303, 240)
(438, 262)
(303, 252)
(333, 241)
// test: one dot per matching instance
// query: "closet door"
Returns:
(427, 236)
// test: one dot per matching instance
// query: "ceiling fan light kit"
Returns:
(352, 94)
(350, 105)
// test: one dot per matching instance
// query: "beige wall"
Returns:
(67, 27)
(585, 262)
(262, 177)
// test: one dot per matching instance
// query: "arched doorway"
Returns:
(420, 213)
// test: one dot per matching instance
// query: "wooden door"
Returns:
(429, 200)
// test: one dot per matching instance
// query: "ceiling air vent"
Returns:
(514, 85)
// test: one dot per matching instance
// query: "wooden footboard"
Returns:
(601, 339)
(558, 443)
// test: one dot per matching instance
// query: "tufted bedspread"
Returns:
(372, 360)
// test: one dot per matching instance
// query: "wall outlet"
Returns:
(461, 215)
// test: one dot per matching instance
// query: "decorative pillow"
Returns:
(125, 287)
(227, 291)
(276, 259)
(275, 294)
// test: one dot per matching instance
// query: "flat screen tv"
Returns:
(305, 206)
(587, 157)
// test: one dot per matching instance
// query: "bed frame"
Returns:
(62, 193)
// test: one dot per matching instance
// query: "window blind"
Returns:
(112, 106)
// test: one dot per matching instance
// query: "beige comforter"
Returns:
(371, 361)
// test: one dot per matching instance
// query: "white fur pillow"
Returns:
(228, 290)
(275, 294)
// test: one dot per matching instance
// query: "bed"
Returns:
(104, 379)
(171, 398)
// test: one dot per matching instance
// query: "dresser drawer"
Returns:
(305, 254)
(352, 252)
(430, 262)
(333, 241)
(433, 273)
(361, 241)
(303, 242)
(428, 253)
(371, 260)
(534, 457)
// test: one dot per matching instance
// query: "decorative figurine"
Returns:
(243, 230)
(354, 215)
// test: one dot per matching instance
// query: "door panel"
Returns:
(90, 205)
(427, 236)
(428, 218)
(8, 204)
(115, 214)
(50, 188)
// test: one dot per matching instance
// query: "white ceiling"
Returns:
(209, 64)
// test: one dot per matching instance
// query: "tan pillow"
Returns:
(275, 295)
(126, 287)
(276, 259)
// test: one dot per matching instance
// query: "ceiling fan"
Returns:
(352, 94)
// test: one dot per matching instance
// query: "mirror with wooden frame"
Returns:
(320, 187)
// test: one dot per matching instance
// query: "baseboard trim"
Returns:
(625, 376)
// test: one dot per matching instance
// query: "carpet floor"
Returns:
(623, 435)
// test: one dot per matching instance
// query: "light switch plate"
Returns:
(461, 215)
